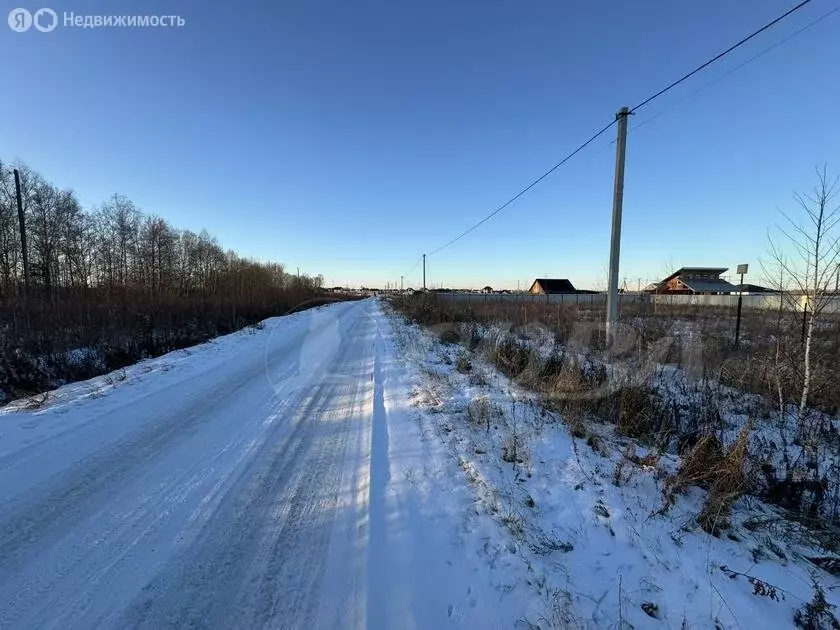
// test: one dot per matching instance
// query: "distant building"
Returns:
(695, 281)
(487, 289)
(749, 289)
(551, 286)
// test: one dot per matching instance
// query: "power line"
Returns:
(526, 189)
(656, 95)
(413, 268)
(738, 67)
(719, 55)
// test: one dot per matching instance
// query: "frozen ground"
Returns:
(333, 469)
(585, 519)
(276, 477)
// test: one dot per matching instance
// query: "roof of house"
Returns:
(709, 286)
(686, 271)
(753, 288)
(555, 285)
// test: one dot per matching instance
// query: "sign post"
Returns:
(742, 270)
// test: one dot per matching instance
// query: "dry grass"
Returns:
(463, 364)
(36, 402)
(817, 614)
(752, 367)
(639, 413)
(723, 472)
(510, 356)
(480, 412)
(573, 380)
(514, 450)
(450, 335)
(698, 465)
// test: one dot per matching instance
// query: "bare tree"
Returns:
(9, 233)
(809, 274)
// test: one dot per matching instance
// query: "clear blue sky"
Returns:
(348, 137)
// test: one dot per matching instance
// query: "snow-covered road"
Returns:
(248, 482)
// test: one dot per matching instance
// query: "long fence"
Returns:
(582, 299)
(754, 301)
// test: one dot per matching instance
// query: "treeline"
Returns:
(112, 284)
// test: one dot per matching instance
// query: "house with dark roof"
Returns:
(695, 281)
(551, 286)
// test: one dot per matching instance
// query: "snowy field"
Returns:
(588, 517)
(334, 469)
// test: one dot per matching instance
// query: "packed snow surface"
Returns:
(254, 481)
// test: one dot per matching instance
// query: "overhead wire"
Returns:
(736, 68)
(526, 189)
(706, 64)
(408, 273)
(643, 103)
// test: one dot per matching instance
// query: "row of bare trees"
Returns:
(117, 284)
(116, 247)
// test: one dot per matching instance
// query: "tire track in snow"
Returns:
(377, 592)
(261, 556)
(26, 522)
(76, 552)
(85, 537)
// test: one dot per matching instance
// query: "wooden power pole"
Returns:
(22, 222)
(424, 272)
(615, 242)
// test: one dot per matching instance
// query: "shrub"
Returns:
(513, 449)
(817, 614)
(475, 338)
(480, 412)
(450, 335)
(637, 411)
(639, 414)
(511, 356)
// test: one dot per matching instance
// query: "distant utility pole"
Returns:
(615, 243)
(22, 223)
(424, 272)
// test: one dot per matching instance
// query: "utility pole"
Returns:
(22, 223)
(615, 243)
(424, 272)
